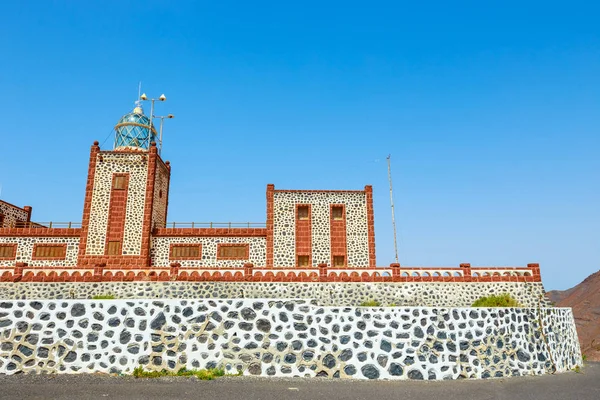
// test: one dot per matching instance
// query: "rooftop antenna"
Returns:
(389, 162)
(138, 102)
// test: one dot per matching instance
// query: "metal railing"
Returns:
(212, 225)
(29, 224)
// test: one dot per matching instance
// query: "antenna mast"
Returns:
(392, 203)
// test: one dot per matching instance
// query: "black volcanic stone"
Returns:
(71, 356)
(522, 356)
(77, 310)
(308, 355)
(370, 371)
(395, 369)
(248, 314)
(290, 358)
(263, 325)
(329, 361)
(385, 346)
(245, 326)
(158, 321)
(300, 326)
(124, 337)
(350, 369)
(415, 374)
(281, 346)
(345, 355)
(418, 332)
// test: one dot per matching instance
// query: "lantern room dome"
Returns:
(134, 131)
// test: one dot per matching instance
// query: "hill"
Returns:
(584, 299)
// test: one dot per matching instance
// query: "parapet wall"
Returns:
(432, 294)
(284, 338)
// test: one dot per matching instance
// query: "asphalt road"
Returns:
(567, 386)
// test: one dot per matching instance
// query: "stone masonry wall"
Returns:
(160, 251)
(444, 294)
(137, 169)
(25, 246)
(284, 338)
(161, 194)
(12, 214)
(357, 232)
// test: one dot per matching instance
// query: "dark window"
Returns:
(1, 220)
(7, 251)
(303, 261)
(114, 248)
(236, 252)
(302, 212)
(119, 182)
(50, 251)
(337, 212)
(185, 251)
(339, 261)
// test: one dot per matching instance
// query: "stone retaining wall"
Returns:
(284, 338)
(442, 294)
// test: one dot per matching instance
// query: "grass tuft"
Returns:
(501, 300)
(370, 303)
(202, 374)
(103, 297)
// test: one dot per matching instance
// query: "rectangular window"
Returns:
(339, 261)
(113, 249)
(185, 251)
(50, 251)
(337, 212)
(1, 220)
(232, 252)
(302, 213)
(119, 182)
(7, 251)
(303, 261)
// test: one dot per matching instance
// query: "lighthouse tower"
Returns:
(126, 197)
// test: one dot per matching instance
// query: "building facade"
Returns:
(308, 235)
(124, 225)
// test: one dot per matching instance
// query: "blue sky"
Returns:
(490, 111)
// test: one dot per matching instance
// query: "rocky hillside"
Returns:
(585, 301)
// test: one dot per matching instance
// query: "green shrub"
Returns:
(370, 303)
(103, 297)
(202, 374)
(501, 300)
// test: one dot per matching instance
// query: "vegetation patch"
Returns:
(370, 303)
(103, 297)
(202, 374)
(501, 300)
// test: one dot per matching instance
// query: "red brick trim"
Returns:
(102, 272)
(245, 257)
(42, 232)
(270, 216)
(318, 191)
(14, 251)
(153, 158)
(38, 245)
(117, 209)
(87, 204)
(210, 232)
(337, 235)
(167, 165)
(303, 234)
(174, 245)
(370, 226)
